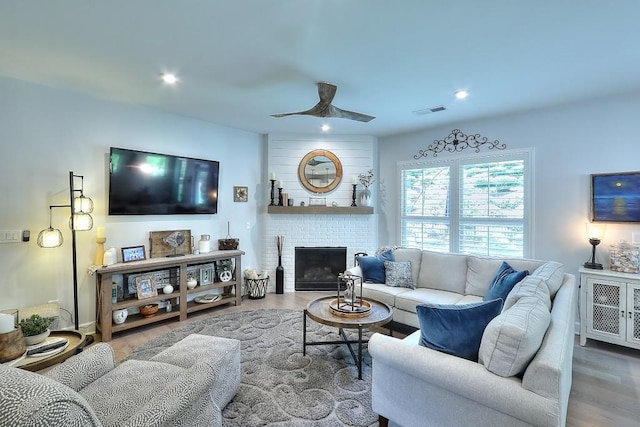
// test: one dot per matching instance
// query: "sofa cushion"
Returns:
(530, 286)
(444, 271)
(505, 279)
(481, 271)
(408, 300)
(382, 292)
(373, 266)
(511, 340)
(456, 329)
(398, 274)
(414, 256)
(553, 273)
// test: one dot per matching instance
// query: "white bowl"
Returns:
(37, 339)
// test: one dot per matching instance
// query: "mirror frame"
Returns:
(303, 178)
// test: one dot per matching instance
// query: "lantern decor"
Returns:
(349, 301)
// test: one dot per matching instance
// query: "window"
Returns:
(476, 205)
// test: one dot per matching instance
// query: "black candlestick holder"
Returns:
(280, 197)
(273, 194)
(353, 195)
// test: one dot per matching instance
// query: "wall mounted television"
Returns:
(615, 197)
(144, 183)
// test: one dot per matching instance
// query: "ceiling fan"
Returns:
(324, 108)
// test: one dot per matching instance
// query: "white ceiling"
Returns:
(241, 60)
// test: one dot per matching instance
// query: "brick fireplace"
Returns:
(356, 233)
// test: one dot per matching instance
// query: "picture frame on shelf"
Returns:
(133, 253)
(146, 286)
(240, 194)
(317, 201)
(206, 276)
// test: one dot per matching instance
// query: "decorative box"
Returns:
(624, 258)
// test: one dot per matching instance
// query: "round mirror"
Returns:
(320, 171)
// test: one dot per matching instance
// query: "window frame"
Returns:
(455, 164)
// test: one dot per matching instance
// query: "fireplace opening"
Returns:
(317, 268)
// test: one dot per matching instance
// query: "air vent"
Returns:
(429, 110)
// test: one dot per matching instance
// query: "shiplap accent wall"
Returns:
(356, 232)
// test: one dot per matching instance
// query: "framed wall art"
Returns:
(146, 286)
(133, 253)
(240, 194)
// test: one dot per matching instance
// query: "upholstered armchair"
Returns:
(187, 384)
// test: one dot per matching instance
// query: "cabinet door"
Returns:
(606, 312)
(633, 313)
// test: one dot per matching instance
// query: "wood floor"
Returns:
(606, 378)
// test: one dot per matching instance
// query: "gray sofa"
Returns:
(187, 384)
(523, 375)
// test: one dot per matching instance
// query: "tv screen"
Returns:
(142, 183)
(615, 197)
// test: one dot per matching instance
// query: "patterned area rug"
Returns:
(280, 386)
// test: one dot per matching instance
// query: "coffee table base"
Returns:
(356, 358)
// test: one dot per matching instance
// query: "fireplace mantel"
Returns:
(321, 210)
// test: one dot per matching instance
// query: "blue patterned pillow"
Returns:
(456, 329)
(373, 267)
(505, 279)
(398, 274)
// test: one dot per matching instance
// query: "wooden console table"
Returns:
(181, 306)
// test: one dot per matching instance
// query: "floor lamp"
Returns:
(79, 220)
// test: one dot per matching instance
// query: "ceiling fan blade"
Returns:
(326, 92)
(351, 115)
(318, 110)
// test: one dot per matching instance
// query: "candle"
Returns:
(355, 180)
(272, 176)
(6, 323)
(100, 232)
(280, 184)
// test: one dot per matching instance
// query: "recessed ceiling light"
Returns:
(169, 78)
(325, 128)
(461, 94)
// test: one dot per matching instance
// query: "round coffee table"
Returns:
(36, 363)
(320, 311)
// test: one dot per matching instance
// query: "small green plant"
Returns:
(35, 325)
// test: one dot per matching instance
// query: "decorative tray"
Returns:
(206, 299)
(361, 308)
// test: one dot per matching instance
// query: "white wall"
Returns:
(45, 133)
(570, 143)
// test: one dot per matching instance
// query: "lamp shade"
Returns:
(81, 222)
(82, 205)
(595, 230)
(50, 238)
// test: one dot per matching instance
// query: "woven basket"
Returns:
(228, 244)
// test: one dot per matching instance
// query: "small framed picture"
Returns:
(133, 253)
(317, 201)
(206, 276)
(240, 194)
(146, 286)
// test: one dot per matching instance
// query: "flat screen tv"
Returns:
(615, 197)
(143, 183)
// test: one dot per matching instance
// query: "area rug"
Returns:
(280, 386)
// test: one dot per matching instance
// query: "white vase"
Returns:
(365, 197)
(119, 316)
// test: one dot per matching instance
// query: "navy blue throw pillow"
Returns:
(504, 280)
(373, 266)
(456, 329)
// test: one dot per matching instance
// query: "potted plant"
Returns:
(35, 329)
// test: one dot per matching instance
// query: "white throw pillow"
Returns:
(553, 273)
(530, 286)
(512, 339)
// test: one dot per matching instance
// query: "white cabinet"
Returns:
(610, 307)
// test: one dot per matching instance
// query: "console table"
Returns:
(181, 305)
